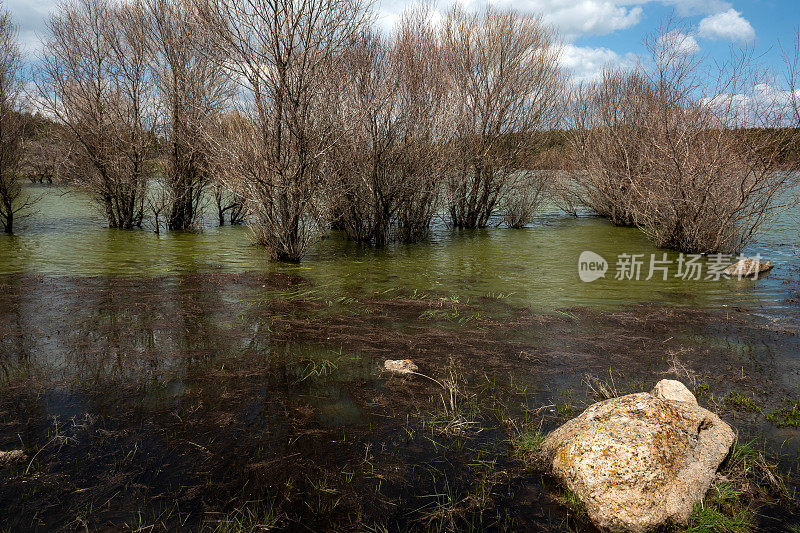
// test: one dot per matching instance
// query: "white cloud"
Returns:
(574, 18)
(571, 18)
(763, 105)
(727, 25)
(31, 17)
(585, 17)
(680, 42)
(586, 64)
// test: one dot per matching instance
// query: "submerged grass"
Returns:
(253, 516)
(741, 402)
(252, 414)
(787, 417)
(702, 390)
(746, 482)
(710, 518)
(528, 442)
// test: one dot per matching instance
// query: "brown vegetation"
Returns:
(192, 91)
(695, 165)
(47, 152)
(296, 118)
(95, 80)
(389, 166)
(505, 82)
(13, 201)
(287, 58)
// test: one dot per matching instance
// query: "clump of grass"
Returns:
(453, 314)
(722, 511)
(787, 417)
(458, 408)
(251, 517)
(487, 479)
(529, 441)
(573, 501)
(752, 474)
(746, 482)
(443, 507)
(741, 402)
(702, 390)
(566, 411)
(602, 389)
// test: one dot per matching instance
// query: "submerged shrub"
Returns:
(506, 86)
(523, 198)
(610, 123)
(697, 167)
(386, 168)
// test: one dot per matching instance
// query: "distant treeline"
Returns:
(46, 148)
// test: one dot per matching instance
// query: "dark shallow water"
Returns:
(179, 380)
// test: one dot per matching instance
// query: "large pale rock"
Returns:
(748, 268)
(639, 461)
(669, 389)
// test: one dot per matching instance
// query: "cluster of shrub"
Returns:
(298, 117)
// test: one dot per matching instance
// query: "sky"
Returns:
(595, 33)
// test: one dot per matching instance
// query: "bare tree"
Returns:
(792, 60)
(364, 162)
(13, 201)
(521, 201)
(226, 201)
(193, 89)
(424, 96)
(390, 164)
(715, 150)
(691, 158)
(95, 80)
(506, 83)
(286, 55)
(610, 126)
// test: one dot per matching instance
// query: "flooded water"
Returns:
(536, 266)
(183, 380)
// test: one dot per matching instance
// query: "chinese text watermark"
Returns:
(646, 267)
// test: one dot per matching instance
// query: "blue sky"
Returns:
(596, 32)
(715, 26)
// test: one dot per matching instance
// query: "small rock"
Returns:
(748, 267)
(12, 457)
(400, 366)
(639, 462)
(669, 389)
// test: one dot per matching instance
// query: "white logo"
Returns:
(591, 266)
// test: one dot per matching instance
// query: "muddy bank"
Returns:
(202, 401)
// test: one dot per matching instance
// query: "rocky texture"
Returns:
(669, 389)
(12, 457)
(400, 366)
(640, 461)
(747, 268)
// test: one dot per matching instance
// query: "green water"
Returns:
(536, 266)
